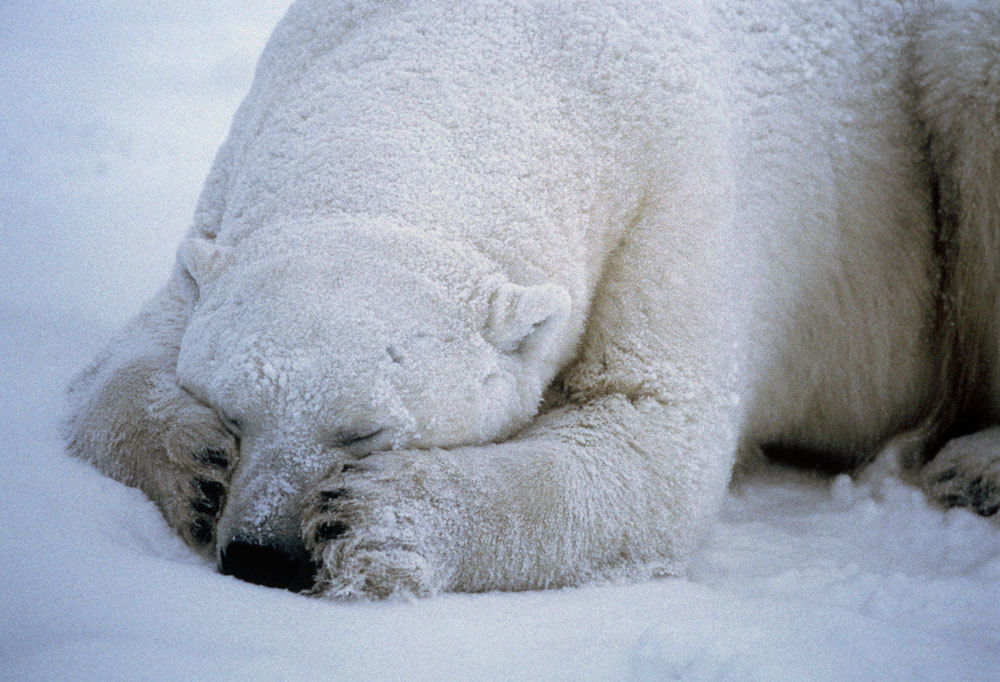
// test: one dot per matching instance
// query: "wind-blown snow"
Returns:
(111, 114)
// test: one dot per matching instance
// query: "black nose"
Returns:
(267, 565)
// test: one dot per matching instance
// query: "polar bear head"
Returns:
(321, 345)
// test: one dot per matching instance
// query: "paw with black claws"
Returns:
(368, 527)
(193, 482)
(966, 473)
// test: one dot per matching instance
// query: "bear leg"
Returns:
(131, 419)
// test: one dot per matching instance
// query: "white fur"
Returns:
(427, 217)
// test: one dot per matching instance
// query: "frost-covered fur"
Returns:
(472, 288)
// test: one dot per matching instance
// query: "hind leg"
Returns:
(957, 73)
(966, 473)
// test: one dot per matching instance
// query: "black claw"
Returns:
(328, 499)
(216, 458)
(979, 494)
(988, 509)
(953, 500)
(202, 531)
(212, 490)
(946, 476)
(333, 494)
(211, 494)
(981, 497)
(977, 491)
(205, 506)
(331, 531)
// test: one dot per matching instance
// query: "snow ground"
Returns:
(111, 114)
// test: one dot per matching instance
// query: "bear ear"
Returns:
(202, 258)
(523, 319)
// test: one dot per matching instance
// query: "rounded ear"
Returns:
(523, 319)
(202, 258)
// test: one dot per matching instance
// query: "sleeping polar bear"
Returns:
(488, 295)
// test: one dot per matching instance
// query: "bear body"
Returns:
(489, 297)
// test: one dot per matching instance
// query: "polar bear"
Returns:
(489, 295)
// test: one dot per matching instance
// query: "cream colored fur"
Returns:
(690, 227)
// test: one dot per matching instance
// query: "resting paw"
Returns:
(966, 473)
(368, 533)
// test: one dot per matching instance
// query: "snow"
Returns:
(112, 112)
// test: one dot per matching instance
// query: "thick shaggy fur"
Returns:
(488, 295)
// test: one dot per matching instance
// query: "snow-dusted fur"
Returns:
(473, 289)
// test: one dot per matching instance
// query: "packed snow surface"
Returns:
(111, 114)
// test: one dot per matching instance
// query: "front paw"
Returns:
(369, 528)
(966, 473)
(193, 481)
(138, 426)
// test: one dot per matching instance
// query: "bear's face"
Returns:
(314, 359)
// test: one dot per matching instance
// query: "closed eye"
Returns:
(346, 440)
